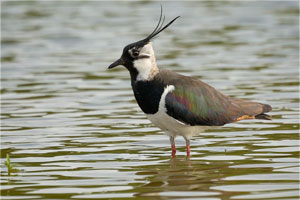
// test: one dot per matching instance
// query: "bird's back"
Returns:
(194, 102)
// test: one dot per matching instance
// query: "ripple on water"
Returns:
(74, 131)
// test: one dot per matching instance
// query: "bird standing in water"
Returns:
(177, 104)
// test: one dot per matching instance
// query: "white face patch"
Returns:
(147, 50)
(146, 66)
(143, 67)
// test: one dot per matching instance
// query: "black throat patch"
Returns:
(148, 94)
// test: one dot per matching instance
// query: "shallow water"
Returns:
(74, 131)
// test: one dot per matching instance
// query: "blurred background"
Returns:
(73, 130)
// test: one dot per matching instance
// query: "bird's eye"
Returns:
(135, 52)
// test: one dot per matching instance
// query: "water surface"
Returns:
(74, 131)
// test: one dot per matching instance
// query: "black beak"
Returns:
(116, 63)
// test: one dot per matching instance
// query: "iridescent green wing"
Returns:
(196, 103)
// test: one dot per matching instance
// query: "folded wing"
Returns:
(194, 102)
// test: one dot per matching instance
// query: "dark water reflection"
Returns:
(73, 129)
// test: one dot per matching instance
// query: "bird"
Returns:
(177, 104)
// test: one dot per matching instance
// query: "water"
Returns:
(74, 131)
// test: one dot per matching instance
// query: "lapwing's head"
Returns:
(138, 57)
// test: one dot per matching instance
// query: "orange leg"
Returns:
(172, 141)
(188, 151)
(173, 151)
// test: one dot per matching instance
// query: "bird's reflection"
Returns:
(180, 174)
(179, 161)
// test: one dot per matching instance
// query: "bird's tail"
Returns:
(253, 110)
(263, 116)
(266, 108)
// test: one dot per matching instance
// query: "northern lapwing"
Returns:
(178, 104)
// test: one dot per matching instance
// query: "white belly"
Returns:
(173, 127)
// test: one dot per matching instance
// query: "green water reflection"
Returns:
(74, 131)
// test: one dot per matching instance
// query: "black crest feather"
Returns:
(159, 27)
